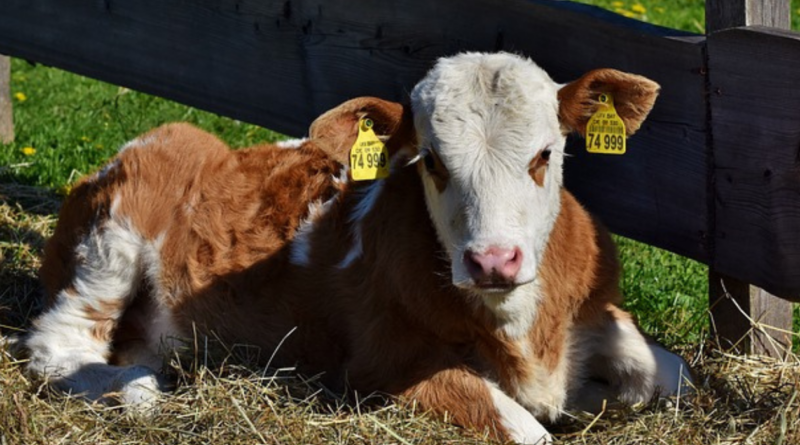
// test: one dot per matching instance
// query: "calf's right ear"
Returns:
(336, 130)
(633, 95)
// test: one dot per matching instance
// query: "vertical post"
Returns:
(6, 110)
(745, 317)
(723, 14)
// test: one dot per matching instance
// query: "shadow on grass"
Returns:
(34, 200)
(26, 216)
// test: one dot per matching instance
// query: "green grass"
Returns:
(667, 292)
(74, 124)
(686, 15)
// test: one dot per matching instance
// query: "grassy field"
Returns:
(68, 125)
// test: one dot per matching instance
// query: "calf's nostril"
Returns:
(473, 265)
(494, 264)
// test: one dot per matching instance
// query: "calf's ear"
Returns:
(336, 130)
(633, 96)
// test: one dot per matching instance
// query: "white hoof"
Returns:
(138, 388)
(673, 377)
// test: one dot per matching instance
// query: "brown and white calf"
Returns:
(468, 280)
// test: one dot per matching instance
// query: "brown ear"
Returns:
(336, 130)
(633, 95)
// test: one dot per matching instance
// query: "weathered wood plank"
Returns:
(279, 64)
(740, 311)
(6, 108)
(754, 73)
(746, 319)
(724, 14)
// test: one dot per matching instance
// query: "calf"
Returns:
(468, 280)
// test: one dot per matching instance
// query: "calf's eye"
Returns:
(435, 168)
(429, 161)
(545, 155)
(538, 166)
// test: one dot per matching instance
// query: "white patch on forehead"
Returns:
(487, 116)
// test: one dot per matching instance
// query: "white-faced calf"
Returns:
(468, 280)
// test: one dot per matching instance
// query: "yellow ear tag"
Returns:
(605, 131)
(369, 157)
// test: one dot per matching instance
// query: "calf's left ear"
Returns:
(633, 96)
(336, 130)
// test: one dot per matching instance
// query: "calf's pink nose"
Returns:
(494, 266)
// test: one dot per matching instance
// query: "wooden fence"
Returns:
(714, 174)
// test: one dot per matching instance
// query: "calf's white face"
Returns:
(492, 146)
(491, 130)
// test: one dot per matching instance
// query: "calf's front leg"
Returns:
(473, 401)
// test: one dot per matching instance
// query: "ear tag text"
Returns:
(369, 157)
(605, 131)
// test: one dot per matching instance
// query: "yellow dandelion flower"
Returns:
(638, 8)
(617, 4)
(660, 10)
(99, 146)
(20, 97)
(85, 139)
(29, 151)
(65, 190)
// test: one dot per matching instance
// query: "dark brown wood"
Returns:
(6, 108)
(754, 74)
(748, 320)
(280, 64)
(751, 206)
(724, 14)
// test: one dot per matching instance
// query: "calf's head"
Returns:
(489, 132)
(491, 129)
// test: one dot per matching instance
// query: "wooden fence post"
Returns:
(744, 317)
(6, 109)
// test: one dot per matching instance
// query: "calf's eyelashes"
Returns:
(435, 168)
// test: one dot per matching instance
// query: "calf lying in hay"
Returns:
(467, 280)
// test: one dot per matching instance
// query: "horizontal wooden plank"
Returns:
(754, 74)
(280, 64)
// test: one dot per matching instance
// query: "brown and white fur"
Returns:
(468, 281)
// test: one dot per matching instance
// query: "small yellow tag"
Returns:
(369, 157)
(605, 131)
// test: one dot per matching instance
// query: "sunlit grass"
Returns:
(67, 125)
